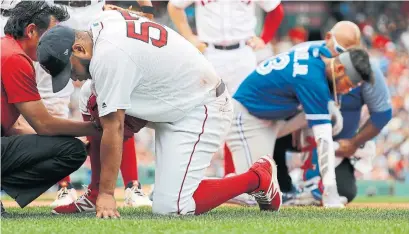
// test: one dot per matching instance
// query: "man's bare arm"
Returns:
(367, 132)
(20, 127)
(111, 150)
(349, 146)
(43, 123)
(179, 18)
(111, 156)
(296, 123)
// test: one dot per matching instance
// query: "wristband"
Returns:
(147, 9)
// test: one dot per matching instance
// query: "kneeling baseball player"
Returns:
(354, 141)
(137, 69)
(275, 92)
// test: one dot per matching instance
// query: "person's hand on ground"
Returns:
(106, 206)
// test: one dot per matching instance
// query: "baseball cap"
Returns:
(53, 53)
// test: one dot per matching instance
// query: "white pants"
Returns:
(233, 66)
(184, 150)
(250, 138)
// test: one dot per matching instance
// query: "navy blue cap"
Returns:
(53, 53)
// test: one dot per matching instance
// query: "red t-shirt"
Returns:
(18, 83)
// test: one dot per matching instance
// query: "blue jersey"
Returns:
(376, 96)
(280, 84)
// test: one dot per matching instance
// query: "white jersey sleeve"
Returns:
(181, 3)
(110, 70)
(3, 23)
(268, 5)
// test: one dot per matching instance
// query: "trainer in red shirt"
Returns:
(30, 163)
(19, 94)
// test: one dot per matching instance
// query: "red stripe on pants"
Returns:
(191, 155)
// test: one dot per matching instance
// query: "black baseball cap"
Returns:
(53, 53)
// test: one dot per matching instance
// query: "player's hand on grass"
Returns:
(256, 43)
(106, 206)
(346, 148)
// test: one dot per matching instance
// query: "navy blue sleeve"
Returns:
(380, 119)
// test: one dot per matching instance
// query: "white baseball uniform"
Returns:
(57, 103)
(3, 23)
(155, 74)
(6, 5)
(227, 23)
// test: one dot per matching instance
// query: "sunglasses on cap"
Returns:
(337, 47)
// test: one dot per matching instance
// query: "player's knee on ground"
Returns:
(348, 192)
(166, 204)
(346, 182)
(73, 152)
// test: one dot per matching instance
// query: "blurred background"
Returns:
(385, 32)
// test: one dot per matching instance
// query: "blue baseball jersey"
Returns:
(376, 96)
(280, 84)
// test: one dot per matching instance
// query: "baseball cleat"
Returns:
(85, 203)
(134, 197)
(268, 194)
(66, 195)
(331, 198)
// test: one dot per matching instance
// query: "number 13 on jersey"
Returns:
(281, 61)
(144, 30)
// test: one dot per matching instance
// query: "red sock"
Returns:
(66, 179)
(228, 161)
(94, 148)
(129, 168)
(214, 192)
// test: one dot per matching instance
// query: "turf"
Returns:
(221, 220)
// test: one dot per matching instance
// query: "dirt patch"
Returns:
(9, 203)
(47, 198)
(384, 205)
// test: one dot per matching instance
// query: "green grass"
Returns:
(221, 220)
(360, 199)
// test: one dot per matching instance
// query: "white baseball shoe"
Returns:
(134, 197)
(65, 195)
(243, 200)
(331, 198)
